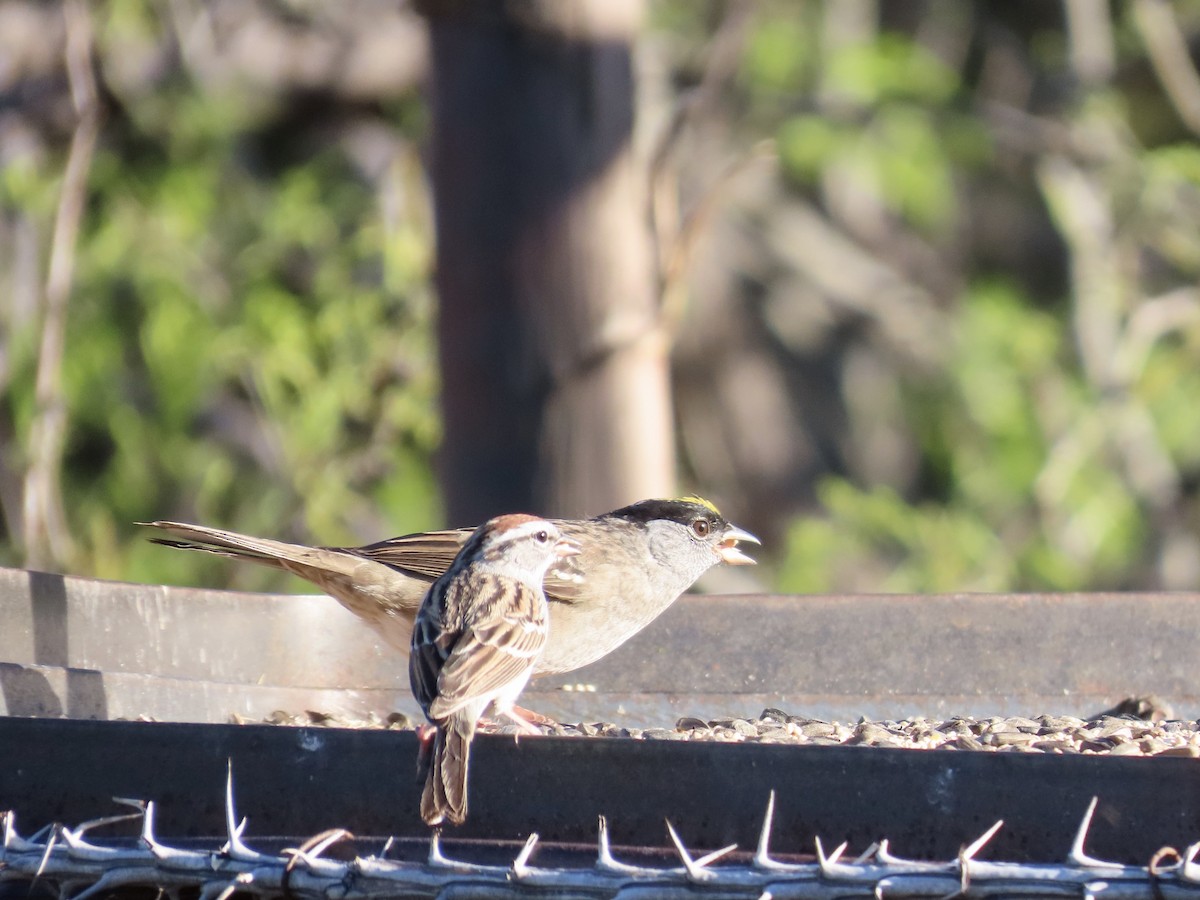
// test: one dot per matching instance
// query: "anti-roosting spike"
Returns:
(234, 829)
(762, 854)
(520, 866)
(605, 862)
(980, 842)
(1078, 855)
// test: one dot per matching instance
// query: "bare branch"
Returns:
(1169, 55)
(675, 232)
(47, 539)
(1089, 29)
(1081, 208)
(677, 254)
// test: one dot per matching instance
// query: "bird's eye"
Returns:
(542, 536)
(701, 527)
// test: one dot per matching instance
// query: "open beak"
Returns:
(566, 547)
(729, 551)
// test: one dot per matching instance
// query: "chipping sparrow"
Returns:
(476, 639)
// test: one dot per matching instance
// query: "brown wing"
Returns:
(425, 662)
(425, 555)
(428, 555)
(499, 645)
(433, 638)
(564, 581)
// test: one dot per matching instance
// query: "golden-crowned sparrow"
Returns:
(475, 641)
(633, 563)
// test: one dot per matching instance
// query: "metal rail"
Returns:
(66, 862)
(104, 650)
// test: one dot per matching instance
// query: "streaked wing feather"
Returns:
(564, 580)
(479, 670)
(431, 644)
(424, 664)
(523, 637)
(560, 590)
(427, 555)
(493, 651)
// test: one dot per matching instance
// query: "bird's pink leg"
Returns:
(535, 717)
(517, 715)
(425, 732)
(527, 716)
(425, 735)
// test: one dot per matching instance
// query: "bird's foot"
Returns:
(534, 717)
(527, 725)
(527, 720)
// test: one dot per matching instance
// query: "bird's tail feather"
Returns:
(444, 798)
(313, 563)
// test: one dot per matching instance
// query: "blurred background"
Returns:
(909, 288)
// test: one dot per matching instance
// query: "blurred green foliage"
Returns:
(897, 124)
(250, 339)
(1035, 473)
(1029, 495)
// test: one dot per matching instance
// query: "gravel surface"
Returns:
(1105, 734)
(1109, 735)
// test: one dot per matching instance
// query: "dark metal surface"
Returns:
(292, 781)
(106, 649)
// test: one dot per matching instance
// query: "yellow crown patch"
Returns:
(707, 504)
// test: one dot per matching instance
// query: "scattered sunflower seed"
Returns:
(1105, 734)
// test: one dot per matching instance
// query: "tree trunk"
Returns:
(555, 382)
